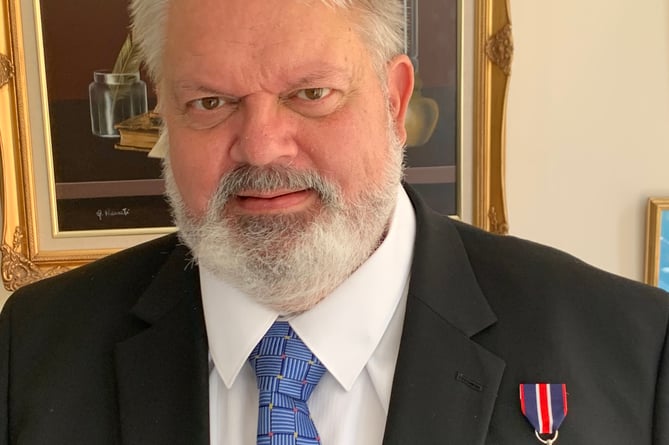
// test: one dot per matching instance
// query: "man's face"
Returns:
(284, 145)
(272, 83)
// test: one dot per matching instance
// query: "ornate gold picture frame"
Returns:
(32, 249)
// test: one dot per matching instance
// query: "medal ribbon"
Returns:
(544, 405)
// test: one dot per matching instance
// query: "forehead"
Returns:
(253, 22)
(258, 34)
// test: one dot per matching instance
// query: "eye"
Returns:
(208, 103)
(207, 112)
(312, 94)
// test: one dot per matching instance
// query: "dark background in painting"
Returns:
(82, 36)
(438, 44)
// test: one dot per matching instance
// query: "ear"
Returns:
(400, 87)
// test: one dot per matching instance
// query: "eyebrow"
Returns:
(187, 85)
(336, 75)
(328, 75)
(190, 87)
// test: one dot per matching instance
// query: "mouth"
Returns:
(274, 201)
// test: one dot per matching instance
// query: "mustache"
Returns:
(270, 178)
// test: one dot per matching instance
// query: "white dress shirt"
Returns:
(355, 331)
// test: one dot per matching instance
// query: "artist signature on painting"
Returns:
(109, 213)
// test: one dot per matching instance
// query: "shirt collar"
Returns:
(343, 330)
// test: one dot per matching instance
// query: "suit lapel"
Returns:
(444, 387)
(445, 384)
(163, 371)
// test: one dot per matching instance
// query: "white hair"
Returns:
(380, 23)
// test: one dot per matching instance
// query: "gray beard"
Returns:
(288, 262)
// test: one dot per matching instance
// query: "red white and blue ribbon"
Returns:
(544, 405)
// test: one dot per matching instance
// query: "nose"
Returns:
(266, 133)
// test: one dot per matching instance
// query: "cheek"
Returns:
(197, 167)
(350, 151)
(349, 161)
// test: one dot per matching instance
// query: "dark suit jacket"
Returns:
(116, 351)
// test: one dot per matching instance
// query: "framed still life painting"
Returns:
(77, 126)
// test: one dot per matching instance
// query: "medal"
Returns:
(545, 407)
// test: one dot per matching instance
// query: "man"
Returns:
(284, 131)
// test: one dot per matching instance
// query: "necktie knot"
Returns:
(286, 373)
(284, 364)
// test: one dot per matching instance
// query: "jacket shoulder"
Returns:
(549, 276)
(118, 278)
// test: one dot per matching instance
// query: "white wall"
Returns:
(588, 125)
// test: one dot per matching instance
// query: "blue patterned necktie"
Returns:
(287, 373)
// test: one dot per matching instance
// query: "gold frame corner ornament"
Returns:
(492, 68)
(6, 70)
(17, 270)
